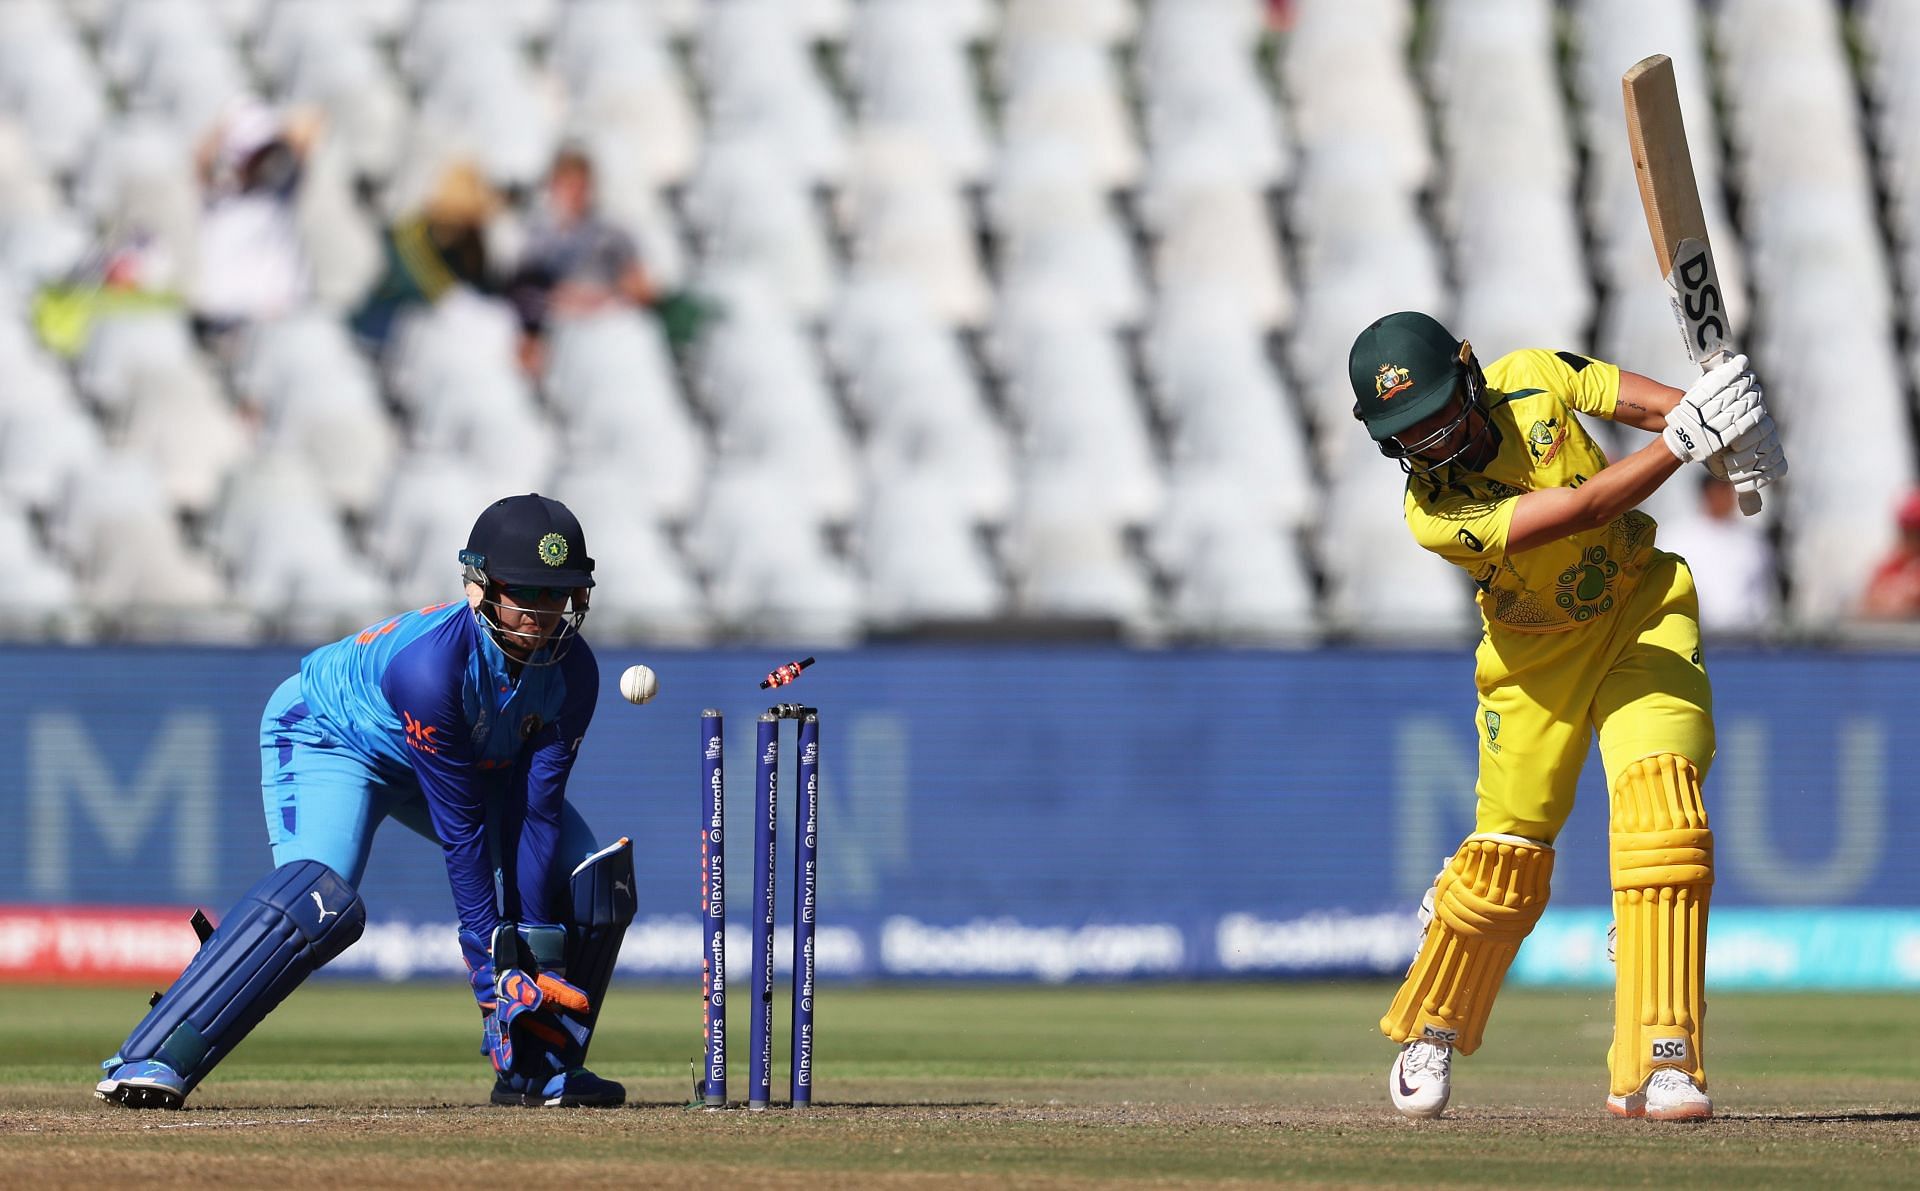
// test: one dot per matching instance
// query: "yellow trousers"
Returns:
(1637, 680)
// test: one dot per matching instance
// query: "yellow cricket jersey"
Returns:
(1464, 516)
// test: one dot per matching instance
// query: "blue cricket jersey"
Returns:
(426, 696)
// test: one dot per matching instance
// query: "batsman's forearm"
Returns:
(1643, 402)
(1549, 514)
(1622, 485)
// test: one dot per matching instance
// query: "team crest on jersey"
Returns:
(1545, 439)
(553, 549)
(529, 726)
(1493, 731)
(1391, 381)
(1585, 589)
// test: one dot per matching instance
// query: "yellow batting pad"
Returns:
(1662, 855)
(1485, 902)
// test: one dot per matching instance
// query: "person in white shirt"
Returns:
(1734, 563)
(250, 261)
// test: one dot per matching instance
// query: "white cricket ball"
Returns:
(638, 684)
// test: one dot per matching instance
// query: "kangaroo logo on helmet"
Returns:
(1391, 381)
(553, 549)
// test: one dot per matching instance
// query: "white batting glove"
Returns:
(1750, 473)
(1720, 407)
(1759, 442)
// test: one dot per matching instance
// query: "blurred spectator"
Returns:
(1731, 558)
(132, 271)
(251, 263)
(576, 261)
(433, 250)
(1894, 591)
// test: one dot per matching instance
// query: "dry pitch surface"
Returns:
(1222, 1085)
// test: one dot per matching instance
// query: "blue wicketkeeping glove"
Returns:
(505, 996)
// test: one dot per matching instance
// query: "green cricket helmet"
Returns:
(1404, 369)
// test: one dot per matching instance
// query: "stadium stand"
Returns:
(1006, 314)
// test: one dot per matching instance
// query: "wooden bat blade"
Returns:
(1657, 137)
(1663, 166)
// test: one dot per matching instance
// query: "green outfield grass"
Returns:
(364, 1085)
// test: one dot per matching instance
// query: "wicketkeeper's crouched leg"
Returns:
(549, 1049)
(280, 932)
(1485, 901)
(1662, 859)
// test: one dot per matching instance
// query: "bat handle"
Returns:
(1721, 353)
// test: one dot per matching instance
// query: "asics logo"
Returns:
(324, 912)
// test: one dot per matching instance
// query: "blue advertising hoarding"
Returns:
(1026, 813)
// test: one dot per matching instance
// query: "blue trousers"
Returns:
(324, 800)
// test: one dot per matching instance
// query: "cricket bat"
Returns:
(1657, 136)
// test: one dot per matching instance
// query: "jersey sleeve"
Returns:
(1588, 385)
(424, 684)
(1466, 530)
(541, 870)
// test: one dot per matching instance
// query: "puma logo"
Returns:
(625, 887)
(324, 912)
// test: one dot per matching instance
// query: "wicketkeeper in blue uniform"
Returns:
(462, 721)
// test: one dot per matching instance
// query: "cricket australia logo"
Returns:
(1492, 719)
(553, 549)
(1585, 589)
(1545, 439)
(1391, 381)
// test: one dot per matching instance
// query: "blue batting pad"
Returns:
(282, 930)
(603, 905)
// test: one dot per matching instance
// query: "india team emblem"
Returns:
(553, 549)
(1391, 381)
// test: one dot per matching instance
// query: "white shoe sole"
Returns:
(1635, 1108)
(137, 1095)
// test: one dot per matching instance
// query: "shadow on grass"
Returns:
(735, 1106)
(838, 1105)
(1821, 1118)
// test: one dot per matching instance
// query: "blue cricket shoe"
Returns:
(578, 1088)
(148, 1083)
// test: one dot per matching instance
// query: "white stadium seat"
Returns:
(1016, 308)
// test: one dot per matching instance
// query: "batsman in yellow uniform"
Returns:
(1589, 626)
